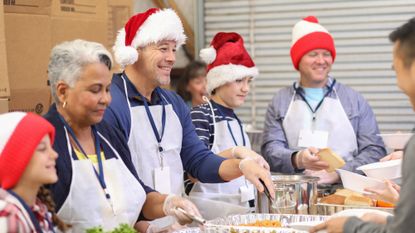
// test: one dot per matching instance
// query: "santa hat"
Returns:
(144, 28)
(20, 135)
(308, 35)
(227, 60)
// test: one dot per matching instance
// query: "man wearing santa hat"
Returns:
(318, 112)
(156, 122)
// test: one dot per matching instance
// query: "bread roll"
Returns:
(347, 192)
(358, 201)
(331, 158)
(333, 199)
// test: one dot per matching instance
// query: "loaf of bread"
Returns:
(358, 201)
(331, 158)
(347, 192)
(333, 199)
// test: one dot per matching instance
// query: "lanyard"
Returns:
(153, 125)
(100, 173)
(32, 216)
(330, 89)
(230, 129)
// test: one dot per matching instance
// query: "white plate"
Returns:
(383, 170)
(396, 141)
(357, 182)
(358, 213)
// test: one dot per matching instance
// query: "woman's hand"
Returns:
(388, 194)
(171, 204)
(392, 156)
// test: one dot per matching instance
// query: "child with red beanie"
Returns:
(27, 162)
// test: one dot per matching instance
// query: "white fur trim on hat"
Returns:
(165, 24)
(303, 28)
(208, 55)
(9, 122)
(223, 74)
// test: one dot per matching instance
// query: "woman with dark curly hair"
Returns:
(192, 85)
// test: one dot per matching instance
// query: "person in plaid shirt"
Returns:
(27, 162)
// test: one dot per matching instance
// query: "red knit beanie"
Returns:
(308, 35)
(20, 135)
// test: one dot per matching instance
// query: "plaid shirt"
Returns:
(15, 219)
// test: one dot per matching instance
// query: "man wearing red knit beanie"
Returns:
(317, 112)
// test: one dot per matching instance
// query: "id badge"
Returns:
(316, 138)
(247, 192)
(162, 180)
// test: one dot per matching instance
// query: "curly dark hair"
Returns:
(405, 35)
(45, 196)
(193, 70)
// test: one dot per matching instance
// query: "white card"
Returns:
(162, 180)
(316, 138)
(247, 192)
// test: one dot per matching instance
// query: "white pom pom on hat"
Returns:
(144, 28)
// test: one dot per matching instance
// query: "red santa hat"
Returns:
(308, 35)
(20, 135)
(144, 28)
(227, 60)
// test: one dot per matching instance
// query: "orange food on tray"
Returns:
(381, 203)
(263, 223)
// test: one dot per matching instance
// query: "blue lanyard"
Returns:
(100, 173)
(230, 129)
(153, 125)
(330, 89)
(32, 216)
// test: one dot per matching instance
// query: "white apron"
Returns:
(144, 147)
(223, 199)
(86, 205)
(330, 117)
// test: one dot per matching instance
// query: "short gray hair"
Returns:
(68, 59)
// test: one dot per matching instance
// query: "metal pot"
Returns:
(294, 194)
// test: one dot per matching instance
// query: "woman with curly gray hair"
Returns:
(98, 185)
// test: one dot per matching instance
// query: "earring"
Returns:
(64, 104)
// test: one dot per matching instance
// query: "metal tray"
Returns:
(329, 209)
(231, 224)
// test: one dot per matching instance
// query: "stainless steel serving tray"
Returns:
(231, 224)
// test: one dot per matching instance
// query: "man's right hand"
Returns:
(306, 159)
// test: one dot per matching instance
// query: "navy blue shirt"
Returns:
(196, 158)
(60, 189)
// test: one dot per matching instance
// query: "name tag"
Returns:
(316, 138)
(247, 192)
(162, 180)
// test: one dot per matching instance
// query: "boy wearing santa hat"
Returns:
(318, 112)
(156, 122)
(229, 73)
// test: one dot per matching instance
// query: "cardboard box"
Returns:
(66, 8)
(4, 78)
(4, 105)
(119, 11)
(31, 100)
(32, 28)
